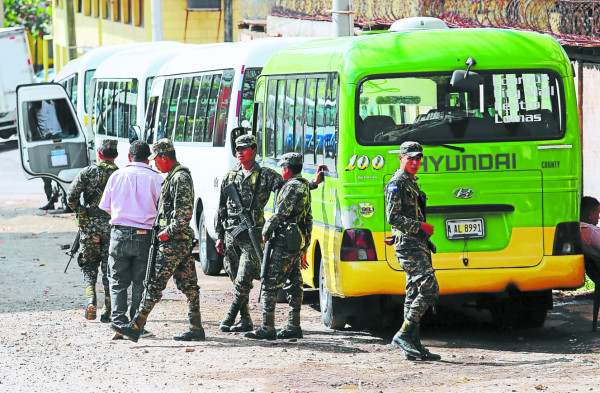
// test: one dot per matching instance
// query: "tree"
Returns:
(35, 16)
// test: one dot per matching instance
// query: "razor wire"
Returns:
(572, 21)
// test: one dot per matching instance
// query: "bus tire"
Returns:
(329, 305)
(210, 261)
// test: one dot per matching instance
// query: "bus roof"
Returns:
(254, 53)
(138, 62)
(421, 51)
(92, 59)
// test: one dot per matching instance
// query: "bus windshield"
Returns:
(428, 109)
(248, 86)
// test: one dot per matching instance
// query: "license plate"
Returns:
(470, 228)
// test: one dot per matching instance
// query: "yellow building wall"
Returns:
(91, 32)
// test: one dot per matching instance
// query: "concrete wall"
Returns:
(591, 129)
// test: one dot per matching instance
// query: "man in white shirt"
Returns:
(590, 232)
(130, 197)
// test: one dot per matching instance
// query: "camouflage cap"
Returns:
(245, 141)
(160, 147)
(411, 149)
(108, 144)
(290, 159)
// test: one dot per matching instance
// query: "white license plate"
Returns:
(469, 228)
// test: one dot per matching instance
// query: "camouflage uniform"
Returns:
(292, 206)
(174, 256)
(95, 229)
(240, 262)
(405, 210)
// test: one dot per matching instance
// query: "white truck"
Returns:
(15, 69)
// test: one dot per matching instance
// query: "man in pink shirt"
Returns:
(130, 197)
(590, 233)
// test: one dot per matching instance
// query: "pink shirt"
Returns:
(590, 234)
(131, 195)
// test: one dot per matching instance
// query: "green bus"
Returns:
(496, 113)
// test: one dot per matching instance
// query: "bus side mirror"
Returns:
(235, 134)
(466, 81)
(134, 133)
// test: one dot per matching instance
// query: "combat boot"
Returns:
(292, 329)
(133, 329)
(425, 354)
(90, 310)
(105, 316)
(229, 320)
(195, 331)
(266, 331)
(404, 340)
(245, 323)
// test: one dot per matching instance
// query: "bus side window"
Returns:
(97, 110)
(132, 100)
(299, 116)
(279, 119)
(329, 139)
(212, 106)
(191, 109)
(172, 109)
(182, 108)
(164, 107)
(288, 116)
(121, 109)
(150, 120)
(223, 108)
(258, 125)
(110, 109)
(270, 118)
(320, 123)
(201, 108)
(309, 125)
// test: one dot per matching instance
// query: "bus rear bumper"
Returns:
(553, 272)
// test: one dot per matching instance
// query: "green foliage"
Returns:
(33, 15)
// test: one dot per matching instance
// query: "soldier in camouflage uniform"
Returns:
(405, 209)
(254, 185)
(93, 224)
(289, 230)
(174, 255)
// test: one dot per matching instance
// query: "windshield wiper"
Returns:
(458, 148)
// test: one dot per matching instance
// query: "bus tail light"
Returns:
(358, 245)
(567, 239)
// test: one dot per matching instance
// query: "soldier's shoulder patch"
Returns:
(392, 187)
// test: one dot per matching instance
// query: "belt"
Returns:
(126, 228)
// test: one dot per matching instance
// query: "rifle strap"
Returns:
(254, 178)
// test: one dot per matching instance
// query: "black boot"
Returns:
(292, 329)
(245, 323)
(132, 330)
(425, 354)
(404, 340)
(195, 331)
(266, 331)
(105, 316)
(229, 320)
(47, 206)
(90, 310)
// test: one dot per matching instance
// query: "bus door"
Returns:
(51, 141)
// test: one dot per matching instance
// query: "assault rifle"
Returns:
(264, 266)
(74, 249)
(150, 267)
(247, 222)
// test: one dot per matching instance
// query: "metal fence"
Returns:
(573, 21)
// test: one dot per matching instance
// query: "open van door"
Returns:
(51, 141)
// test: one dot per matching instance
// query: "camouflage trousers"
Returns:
(173, 259)
(422, 288)
(241, 262)
(93, 255)
(283, 272)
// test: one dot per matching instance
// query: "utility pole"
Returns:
(228, 20)
(71, 37)
(157, 19)
(341, 16)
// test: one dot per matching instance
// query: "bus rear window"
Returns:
(426, 108)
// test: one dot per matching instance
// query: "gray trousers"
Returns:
(127, 261)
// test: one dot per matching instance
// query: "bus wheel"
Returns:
(329, 305)
(210, 260)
